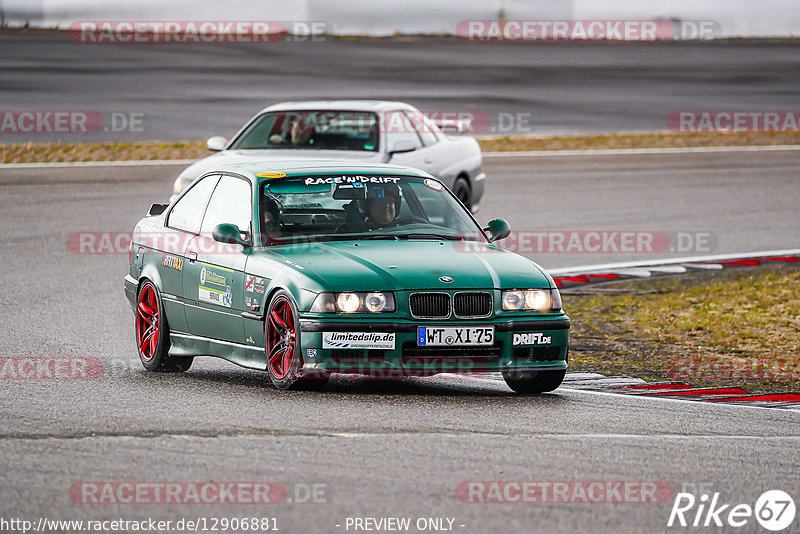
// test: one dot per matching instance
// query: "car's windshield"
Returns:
(337, 207)
(319, 130)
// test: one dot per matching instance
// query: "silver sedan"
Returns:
(353, 130)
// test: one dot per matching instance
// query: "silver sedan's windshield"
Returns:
(362, 207)
(318, 130)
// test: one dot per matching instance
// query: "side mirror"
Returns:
(229, 233)
(404, 145)
(498, 229)
(216, 143)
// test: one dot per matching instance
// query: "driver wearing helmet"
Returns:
(270, 217)
(378, 210)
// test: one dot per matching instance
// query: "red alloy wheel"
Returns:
(147, 323)
(281, 338)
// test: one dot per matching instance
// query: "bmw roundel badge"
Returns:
(446, 279)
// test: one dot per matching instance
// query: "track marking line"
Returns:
(639, 151)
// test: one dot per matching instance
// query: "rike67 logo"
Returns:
(774, 510)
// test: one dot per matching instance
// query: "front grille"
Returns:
(429, 305)
(471, 305)
(412, 351)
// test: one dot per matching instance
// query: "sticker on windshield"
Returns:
(433, 184)
(352, 180)
(271, 174)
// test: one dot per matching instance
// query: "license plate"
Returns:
(446, 336)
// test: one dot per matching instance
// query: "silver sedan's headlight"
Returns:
(531, 299)
(180, 185)
(351, 302)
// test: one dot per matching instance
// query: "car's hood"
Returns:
(240, 156)
(412, 264)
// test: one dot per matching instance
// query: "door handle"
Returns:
(192, 255)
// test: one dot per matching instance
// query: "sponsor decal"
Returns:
(533, 338)
(433, 184)
(311, 353)
(254, 284)
(222, 295)
(250, 340)
(172, 262)
(352, 179)
(358, 340)
(270, 174)
(215, 296)
(208, 275)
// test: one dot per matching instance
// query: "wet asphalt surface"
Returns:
(377, 448)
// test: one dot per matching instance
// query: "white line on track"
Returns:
(640, 151)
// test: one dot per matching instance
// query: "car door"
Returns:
(400, 126)
(213, 279)
(182, 225)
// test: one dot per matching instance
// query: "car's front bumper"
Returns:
(411, 359)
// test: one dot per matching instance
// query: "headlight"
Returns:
(531, 299)
(350, 302)
(180, 185)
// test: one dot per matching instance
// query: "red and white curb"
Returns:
(581, 276)
(679, 390)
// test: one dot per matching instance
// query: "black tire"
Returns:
(153, 349)
(534, 381)
(462, 192)
(282, 346)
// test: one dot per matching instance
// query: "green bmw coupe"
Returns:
(305, 269)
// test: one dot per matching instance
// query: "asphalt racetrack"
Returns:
(192, 91)
(374, 448)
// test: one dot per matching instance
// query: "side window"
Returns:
(425, 127)
(399, 127)
(188, 212)
(231, 203)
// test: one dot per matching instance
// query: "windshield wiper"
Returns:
(338, 237)
(432, 236)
